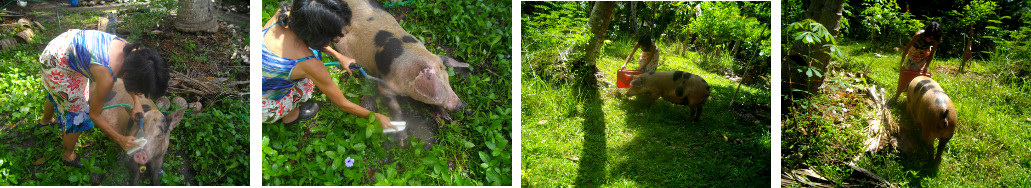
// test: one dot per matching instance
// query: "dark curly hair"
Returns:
(646, 42)
(316, 22)
(144, 71)
(933, 30)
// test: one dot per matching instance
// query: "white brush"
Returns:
(141, 141)
(400, 125)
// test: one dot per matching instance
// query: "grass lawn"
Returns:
(990, 147)
(604, 139)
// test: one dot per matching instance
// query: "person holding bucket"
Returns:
(649, 54)
(648, 63)
(916, 59)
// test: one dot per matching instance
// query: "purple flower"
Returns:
(349, 162)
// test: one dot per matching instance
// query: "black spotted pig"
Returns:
(155, 128)
(677, 87)
(385, 50)
(932, 109)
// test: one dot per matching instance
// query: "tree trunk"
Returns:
(827, 13)
(196, 16)
(967, 52)
(585, 69)
(601, 15)
(633, 17)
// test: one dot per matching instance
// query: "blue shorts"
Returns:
(72, 122)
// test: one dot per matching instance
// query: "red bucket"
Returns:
(623, 77)
(907, 75)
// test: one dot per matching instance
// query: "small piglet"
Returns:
(933, 111)
(156, 127)
(385, 50)
(677, 87)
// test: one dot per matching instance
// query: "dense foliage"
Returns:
(735, 31)
(474, 150)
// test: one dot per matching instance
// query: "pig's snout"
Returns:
(460, 105)
(454, 104)
(140, 157)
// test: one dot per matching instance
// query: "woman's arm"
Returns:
(933, 49)
(345, 62)
(630, 56)
(905, 51)
(137, 109)
(319, 74)
(102, 87)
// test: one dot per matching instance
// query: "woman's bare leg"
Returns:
(48, 113)
(68, 141)
(292, 115)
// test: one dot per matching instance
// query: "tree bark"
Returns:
(601, 15)
(967, 51)
(196, 16)
(827, 13)
(585, 68)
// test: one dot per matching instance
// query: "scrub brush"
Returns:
(139, 137)
(141, 141)
(400, 125)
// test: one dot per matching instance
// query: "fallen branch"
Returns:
(867, 173)
(206, 85)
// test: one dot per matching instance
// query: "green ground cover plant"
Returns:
(584, 136)
(207, 148)
(475, 149)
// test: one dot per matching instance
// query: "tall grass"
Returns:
(990, 147)
(578, 136)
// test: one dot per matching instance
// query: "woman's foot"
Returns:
(305, 111)
(42, 123)
(76, 162)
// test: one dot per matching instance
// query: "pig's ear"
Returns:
(461, 69)
(451, 62)
(427, 84)
(174, 118)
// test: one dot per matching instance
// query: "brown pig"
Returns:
(933, 111)
(677, 87)
(155, 128)
(385, 50)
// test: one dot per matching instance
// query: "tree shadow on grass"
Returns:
(594, 158)
(723, 149)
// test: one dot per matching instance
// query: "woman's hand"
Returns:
(384, 122)
(126, 142)
(137, 109)
(345, 62)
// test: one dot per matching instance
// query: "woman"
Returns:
(291, 61)
(918, 53)
(649, 54)
(78, 60)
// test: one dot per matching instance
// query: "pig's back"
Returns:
(375, 39)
